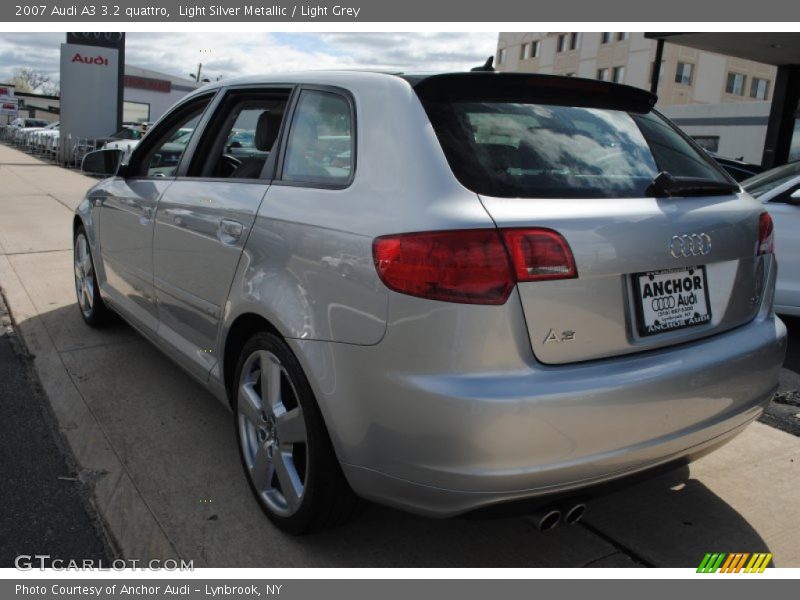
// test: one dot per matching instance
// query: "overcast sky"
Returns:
(247, 53)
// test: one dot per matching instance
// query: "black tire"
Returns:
(95, 313)
(326, 499)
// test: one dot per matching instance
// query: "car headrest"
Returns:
(267, 128)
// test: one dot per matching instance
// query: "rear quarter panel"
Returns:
(307, 265)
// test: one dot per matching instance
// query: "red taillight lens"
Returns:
(470, 266)
(539, 254)
(766, 235)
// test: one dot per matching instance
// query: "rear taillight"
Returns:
(475, 266)
(766, 235)
(539, 254)
(469, 266)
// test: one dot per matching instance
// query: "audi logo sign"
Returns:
(103, 39)
(100, 36)
(693, 244)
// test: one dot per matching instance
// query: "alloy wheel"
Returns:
(272, 433)
(84, 275)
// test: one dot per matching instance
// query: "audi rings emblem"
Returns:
(663, 303)
(694, 244)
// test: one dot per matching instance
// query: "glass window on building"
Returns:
(573, 41)
(759, 88)
(622, 36)
(605, 37)
(618, 74)
(562, 42)
(501, 56)
(135, 112)
(534, 49)
(602, 74)
(735, 84)
(523, 51)
(683, 73)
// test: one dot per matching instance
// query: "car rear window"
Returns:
(513, 147)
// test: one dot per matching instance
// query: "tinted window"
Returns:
(160, 152)
(166, 155)
(241, 136)
(320, 147)
(517, 149)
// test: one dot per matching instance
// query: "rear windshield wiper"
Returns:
(665, 184)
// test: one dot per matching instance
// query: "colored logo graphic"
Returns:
(744, 562)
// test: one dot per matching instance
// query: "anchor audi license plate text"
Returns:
(671, 299)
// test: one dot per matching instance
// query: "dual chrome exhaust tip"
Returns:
(549, 517)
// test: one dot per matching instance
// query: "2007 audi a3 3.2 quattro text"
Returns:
(438, 292)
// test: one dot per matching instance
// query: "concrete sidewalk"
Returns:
(168, 481)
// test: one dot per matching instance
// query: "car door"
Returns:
(126, 218)
(785, 212)
(203, 220)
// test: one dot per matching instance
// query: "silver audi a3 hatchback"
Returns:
(438, 292)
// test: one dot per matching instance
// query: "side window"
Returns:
(241, 137)
(320, 149)
(164, 146)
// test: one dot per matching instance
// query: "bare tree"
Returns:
(31, 80)
(51, 88)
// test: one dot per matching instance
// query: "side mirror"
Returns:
(102, 162)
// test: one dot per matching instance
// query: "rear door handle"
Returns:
(229, 231)
(147, 215)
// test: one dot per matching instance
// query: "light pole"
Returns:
(196, 76)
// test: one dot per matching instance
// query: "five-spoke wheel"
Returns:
(272, 432)
(283, 442)
(93, 309)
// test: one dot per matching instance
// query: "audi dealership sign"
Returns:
(92, 69)
(8, 103)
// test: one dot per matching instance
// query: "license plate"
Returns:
(671, 300)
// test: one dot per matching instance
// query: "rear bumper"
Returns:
(441, 503)
(444, 439)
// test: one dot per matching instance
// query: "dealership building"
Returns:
(147, 94)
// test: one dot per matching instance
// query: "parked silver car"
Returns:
(549, 286)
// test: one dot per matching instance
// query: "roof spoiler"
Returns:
(486, 86)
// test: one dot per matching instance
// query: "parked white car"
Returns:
(47, 141)
(126, 146)
(23, 125)
(179, 137)
(779, 190)
(38, 138)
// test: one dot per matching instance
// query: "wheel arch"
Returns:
(240, 330)
(77, 222)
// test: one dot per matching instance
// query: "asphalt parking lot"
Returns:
(166, 481)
